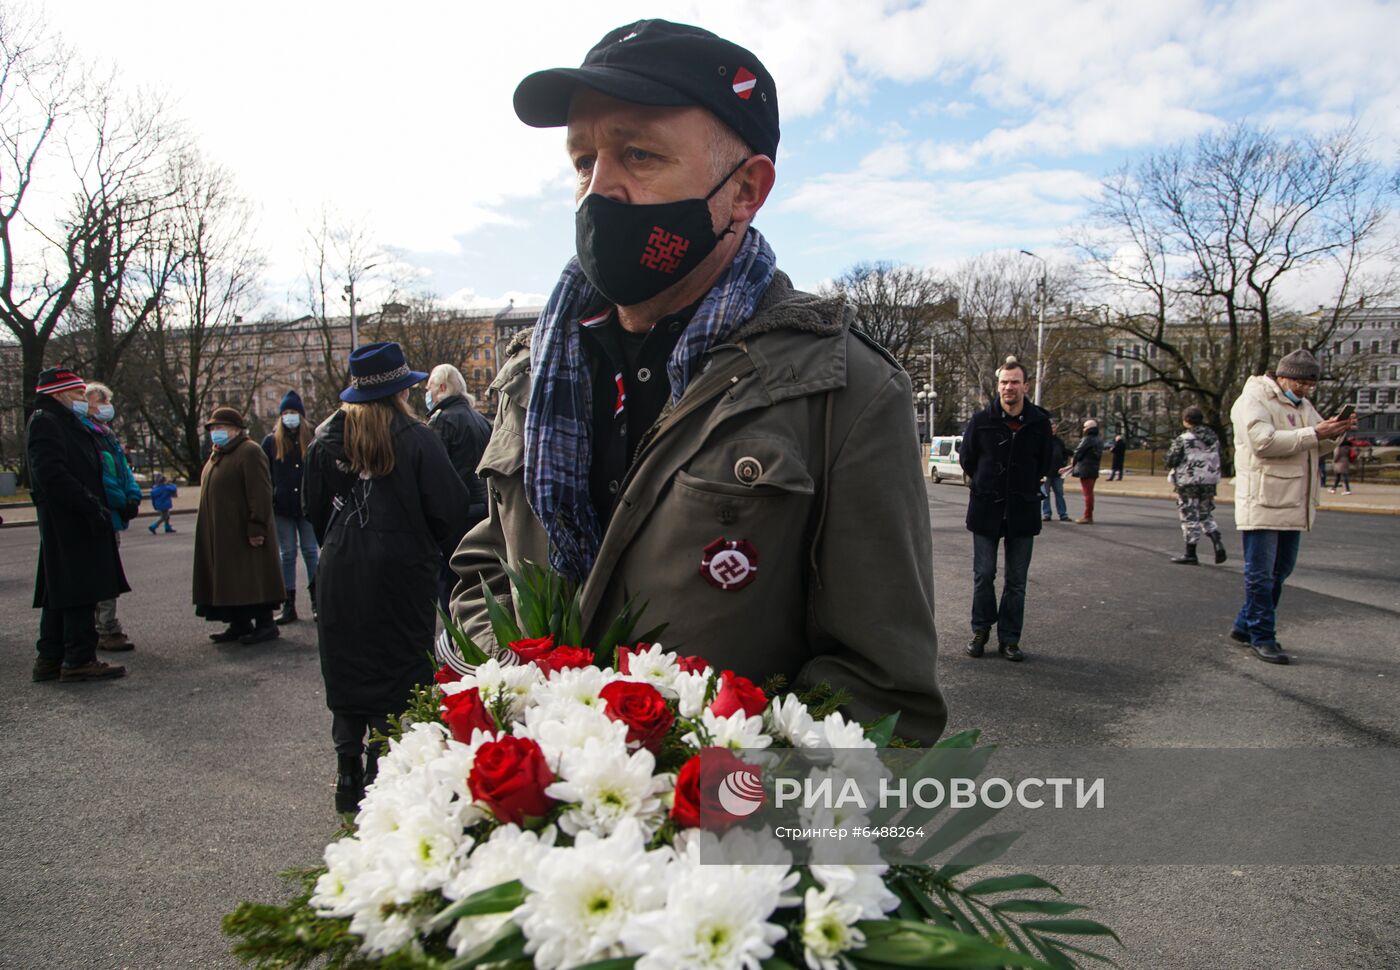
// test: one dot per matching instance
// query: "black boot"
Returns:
(978, 643)
(349, 783)
(1188, 557)
(289, 609)
(311, 595)
(235, 631)
(1219, 544)
(261, 633)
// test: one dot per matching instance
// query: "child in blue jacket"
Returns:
(162, 500)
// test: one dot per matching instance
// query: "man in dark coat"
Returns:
(1119, 451)
(465, 432)
(78, 561)
(1006, 453)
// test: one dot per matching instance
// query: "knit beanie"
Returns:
(1300, 365)
(291, 401)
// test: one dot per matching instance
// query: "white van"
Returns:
(944, 460)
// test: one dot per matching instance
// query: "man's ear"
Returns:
(755, 180)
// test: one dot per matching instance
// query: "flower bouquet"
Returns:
(544, 810)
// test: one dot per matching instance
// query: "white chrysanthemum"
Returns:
(505, 857)
(345, 862)
(828, 929)
(745, 848)
(565, 725)
(604, 785)
(690, 693)
(583, 897)
(735, 732)
(572, 686)
(426, 848)
(863, 886)
(419, 745)
(359, 885)
(655, 666)
(847, 806)
(788, 718)
(517, 683)
(715, 916)
(837, 732)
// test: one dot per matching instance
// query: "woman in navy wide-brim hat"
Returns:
(386, 505)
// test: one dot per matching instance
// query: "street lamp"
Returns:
(928, 402)
(350, 296)
(1040, 327)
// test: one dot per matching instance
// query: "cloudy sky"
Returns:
(920, 132)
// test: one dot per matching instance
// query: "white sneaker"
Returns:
(1347, 492)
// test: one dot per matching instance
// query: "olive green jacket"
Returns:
(798, 437)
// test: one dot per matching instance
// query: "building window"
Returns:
(1375, 346)
(1118, 351)
(1395, 346)
(1337, 347)
(1356, 346)
(1152, 352)
(476, 373)
(1136, 402)
(1137, 375)
(1118, 375)
(1363, 395)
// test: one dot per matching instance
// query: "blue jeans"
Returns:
(985, 612)
(1269, 558)
(1056, 484)
(289, 528)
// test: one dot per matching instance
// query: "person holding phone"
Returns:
(1277, 439)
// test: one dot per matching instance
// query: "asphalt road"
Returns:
(136, 813)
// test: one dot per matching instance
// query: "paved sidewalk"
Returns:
(1365, 497)
(186, 503)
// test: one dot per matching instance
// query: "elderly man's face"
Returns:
(639, 154)
(66, 398)
(1300, 388)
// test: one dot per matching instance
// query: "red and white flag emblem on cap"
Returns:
(744, 82)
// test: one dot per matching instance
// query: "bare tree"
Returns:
(1189, 248)
(340, 256)
(42, 255)
(187, 352)
(896, 305)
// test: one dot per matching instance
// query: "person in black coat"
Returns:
(1119, 451)
(79, 565)
(284, 448)
(1006, 453)
(1084, 465)
(465, 432)
(386, 505)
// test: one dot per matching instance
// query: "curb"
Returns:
(139, 516)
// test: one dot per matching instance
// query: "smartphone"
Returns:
(1347, 411)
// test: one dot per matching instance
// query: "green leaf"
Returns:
(466, 646)
(1071, 927)
(498, 899)
(531, 605)
(1053, 955)
(900, 943)
(503, 625)
(508, 944)
(963, 739)
(1004, 884)
(882, 730)
(1044, 907)
(1062, 945)
(776, 963)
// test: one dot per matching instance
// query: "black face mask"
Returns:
(630, 253)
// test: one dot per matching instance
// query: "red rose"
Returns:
(463, 712)
(738, 694)
(697, 798)
(642, 709)
(446, 675)
(692, 665)
(528, 650)
(562, 658)
(509, 776)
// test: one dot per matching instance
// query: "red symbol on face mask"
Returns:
(664, 251)
(744, 82)
(729, 564)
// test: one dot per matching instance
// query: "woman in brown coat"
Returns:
(237, 579)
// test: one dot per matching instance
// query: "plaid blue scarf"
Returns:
(559, 418)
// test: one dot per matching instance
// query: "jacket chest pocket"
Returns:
(744, 474)
(1281, 488)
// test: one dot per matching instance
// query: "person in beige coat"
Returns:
(1277, 433)
(688, 429)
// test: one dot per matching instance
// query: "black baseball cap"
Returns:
(660, 63)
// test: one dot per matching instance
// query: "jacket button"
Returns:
(613, 486)
(644, 374)
(748, 470)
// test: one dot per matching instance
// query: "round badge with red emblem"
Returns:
(729, 564)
